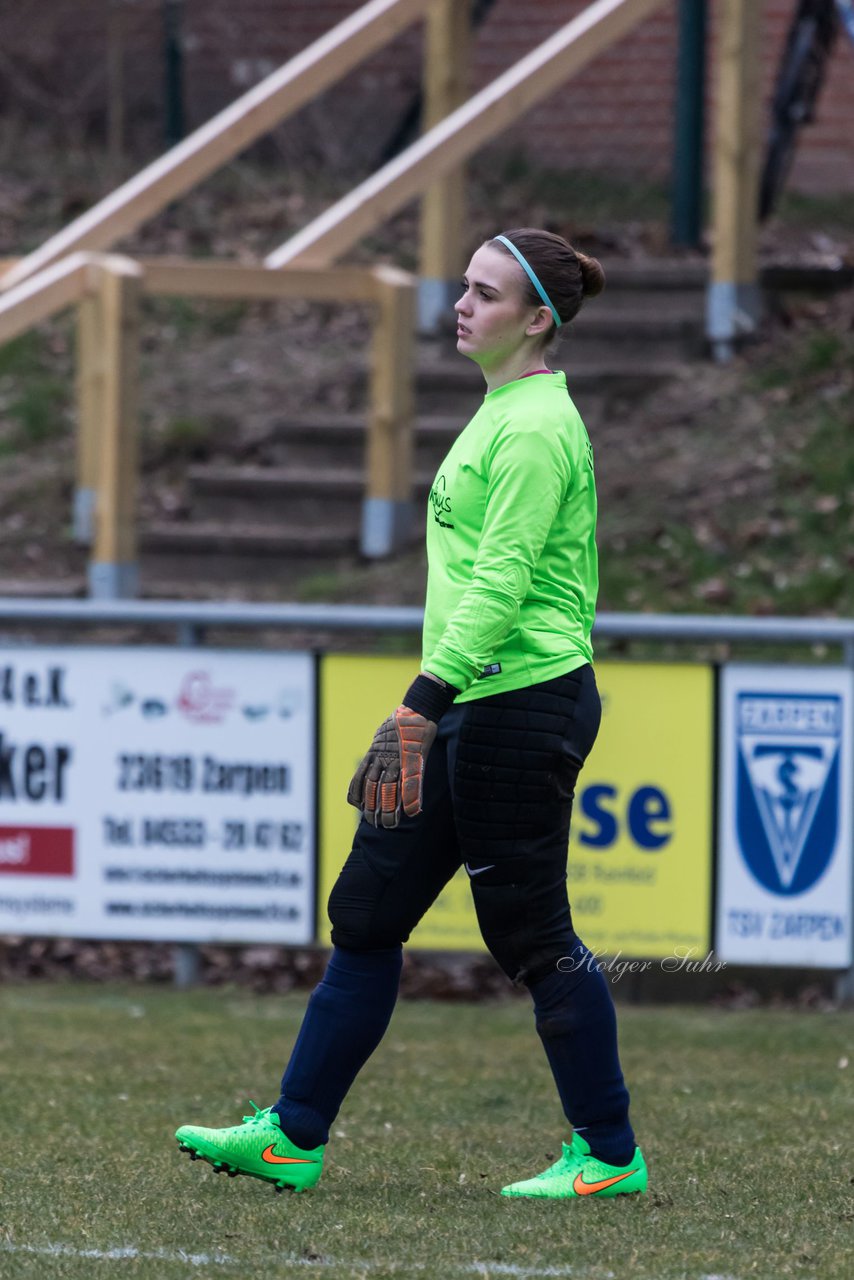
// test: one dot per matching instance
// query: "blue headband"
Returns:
(532, 276)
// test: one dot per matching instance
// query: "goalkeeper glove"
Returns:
(390, 777)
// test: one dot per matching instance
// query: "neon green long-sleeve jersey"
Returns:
(511, 544)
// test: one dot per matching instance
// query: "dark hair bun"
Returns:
(592, 275)
(567, 276)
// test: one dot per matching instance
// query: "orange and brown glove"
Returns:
(390, 778)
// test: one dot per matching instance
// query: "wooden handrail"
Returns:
(183, 278)
(484, 116)
(228, 133)
(52, 290)
(77, 277)
(107, 289)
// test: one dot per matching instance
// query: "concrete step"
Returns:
(629, 334)
(607, 376)
(447, 383)
(217, 480)
(266, 495)
(344, 428)
(657, 276)
(314, 442)
(41, 588)
(208, 538)
(630, 318)
(256, 557)
(601, 356)
(626, 310)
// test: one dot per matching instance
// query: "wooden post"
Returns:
(387, 506)
(733, 299)
(446, 61)
(113, 572)
(90, 414)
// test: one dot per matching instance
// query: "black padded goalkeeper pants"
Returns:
(498, 792)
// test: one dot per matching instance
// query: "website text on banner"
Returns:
(786, 858)
(640, 849)
(157, 794)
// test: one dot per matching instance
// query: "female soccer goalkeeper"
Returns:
(478, 764)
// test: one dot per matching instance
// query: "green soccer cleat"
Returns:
(578, 1173)
(257, 1148)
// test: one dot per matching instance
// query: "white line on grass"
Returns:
(224, 1259)
(158, 1255)
(510, 1269)
(205, 1259)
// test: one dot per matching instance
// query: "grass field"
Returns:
(745, 1118)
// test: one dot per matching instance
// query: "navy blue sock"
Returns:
(578, 1027)
(346, 1018)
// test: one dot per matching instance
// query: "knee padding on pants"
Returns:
(524, 939)
(357, 914)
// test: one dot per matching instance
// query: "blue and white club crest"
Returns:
(787, 790)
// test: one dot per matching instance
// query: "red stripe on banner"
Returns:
(37, 851)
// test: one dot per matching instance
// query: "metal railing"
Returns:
(202, 616)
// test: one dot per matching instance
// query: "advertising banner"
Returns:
(785, 856)
(356, 695)
(157, 794)
(641, 841)
(640, 847)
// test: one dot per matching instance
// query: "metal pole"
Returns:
(687, 180)
(173, 15)
(186, 964)
(186, 958)
(189, 634)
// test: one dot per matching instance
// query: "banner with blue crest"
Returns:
(785, 829)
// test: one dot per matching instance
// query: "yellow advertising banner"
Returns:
(640, 849)
(640, 846)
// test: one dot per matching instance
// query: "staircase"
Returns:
(296, 509)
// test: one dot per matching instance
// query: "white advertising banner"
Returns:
(785, 829)
(157, 794)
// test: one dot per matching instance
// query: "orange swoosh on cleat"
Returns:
(269, 1156)
(582, 1188)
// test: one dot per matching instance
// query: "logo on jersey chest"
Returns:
(440, 501)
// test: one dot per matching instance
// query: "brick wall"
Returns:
(616, 115)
